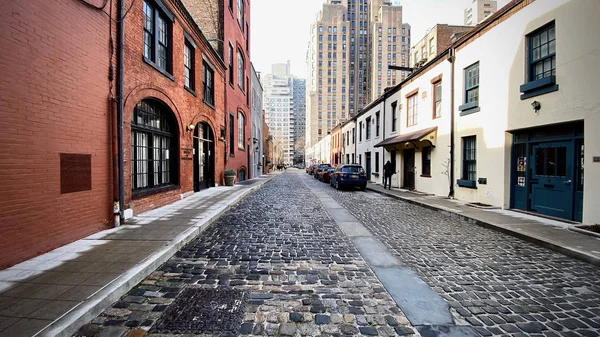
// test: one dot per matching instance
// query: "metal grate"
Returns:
(203, 311)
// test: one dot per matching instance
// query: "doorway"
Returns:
(409, 169)
(552, 179)
(368, 164)
(204, 162)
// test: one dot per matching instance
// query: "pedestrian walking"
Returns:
(388, 171)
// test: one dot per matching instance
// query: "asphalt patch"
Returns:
(203, 311)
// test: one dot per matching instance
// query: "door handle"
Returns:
(567, 182)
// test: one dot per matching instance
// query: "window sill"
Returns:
(426, 175)
(139, 194)
(469, 108)
(232, 154)
(162, 71)
(209, 104)
(191, 91)
(241, 149)
(467, 183)
(538, 87)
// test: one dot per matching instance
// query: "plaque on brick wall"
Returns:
(75, 172)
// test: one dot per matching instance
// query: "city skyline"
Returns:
(292, 33)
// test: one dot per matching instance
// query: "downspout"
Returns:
(120, 65)
(383, 134)
(451, 59)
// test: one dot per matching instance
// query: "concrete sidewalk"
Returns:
(555, 235)
(57, 292)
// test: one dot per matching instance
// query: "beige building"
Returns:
(327, 84)
(479, 10)
(438, 39)
(389, 39)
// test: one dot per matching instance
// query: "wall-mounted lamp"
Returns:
(190, 127)
(536, 106)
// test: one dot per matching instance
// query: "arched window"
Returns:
(241, 131)
(153, 146)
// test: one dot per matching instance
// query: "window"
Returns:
(471, 90)
(376, 161)
(231, 5)
(368, 128)
(411, 113)
(353, 137)
(241, 133)
(542, 62)
(231, 64)
(394, 115)
(157, 36)
(437, 99)
(377, 125)
(241, 71)
(469, 168)
(347, 137)
(153, 146)
(231, 135)
(241, 14)
(426, 161)
(188, 65)
(208, 92)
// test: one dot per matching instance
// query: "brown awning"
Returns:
(428, 135)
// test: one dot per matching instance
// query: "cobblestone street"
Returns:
(495, 282)
(278, 264)
(301, 273)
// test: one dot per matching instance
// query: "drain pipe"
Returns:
(451, 59)
(120, 64)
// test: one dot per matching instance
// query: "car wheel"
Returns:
(363, 187)
(337, 185)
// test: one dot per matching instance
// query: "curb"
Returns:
(574, 253)
(70, 322)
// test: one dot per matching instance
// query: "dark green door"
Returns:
(552, 179)
(368, 164)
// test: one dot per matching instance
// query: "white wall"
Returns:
(368, 145)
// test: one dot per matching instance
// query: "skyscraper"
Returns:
(389, 42)
(328, 81)
(352, 43)
(299, 98)
(283, 106)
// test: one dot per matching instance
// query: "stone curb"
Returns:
(70, 322)
(543, 242)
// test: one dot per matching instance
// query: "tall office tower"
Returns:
(389, 42)
(358, 62)
(478, 10)
(299, 98)
(280, 106)
(327, 88)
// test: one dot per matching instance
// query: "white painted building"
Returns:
(369, 126)
(522, 114)
(349, 141)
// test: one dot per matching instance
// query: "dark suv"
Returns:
(349, 175)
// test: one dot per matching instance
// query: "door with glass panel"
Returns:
(552, 179)
(203, 157)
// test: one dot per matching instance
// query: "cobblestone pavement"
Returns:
(301, 275)
(497, 283)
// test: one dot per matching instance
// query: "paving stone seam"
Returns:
(69, 323)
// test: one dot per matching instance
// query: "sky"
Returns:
(281, 28)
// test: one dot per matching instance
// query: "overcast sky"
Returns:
(280, 28)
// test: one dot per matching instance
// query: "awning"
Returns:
(425, 135)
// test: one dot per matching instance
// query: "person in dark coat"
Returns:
(388, 171)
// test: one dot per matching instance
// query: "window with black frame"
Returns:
(426, 162)
(469, 167)
(153, 142)
(541, 67)
(157, 35)
(208, 84)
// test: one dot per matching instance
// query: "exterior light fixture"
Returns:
(536, 106)
(190, 127)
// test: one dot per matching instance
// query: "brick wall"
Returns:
(144, 81)
(54, 63)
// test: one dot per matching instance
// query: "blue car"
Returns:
(348, 175)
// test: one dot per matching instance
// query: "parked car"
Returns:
(325, 175)
(320, 169)
(311, 169)
(348, 175)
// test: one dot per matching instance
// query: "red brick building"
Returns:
(58, 159)
(227, 25)
(55, 144)
(174, 106)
